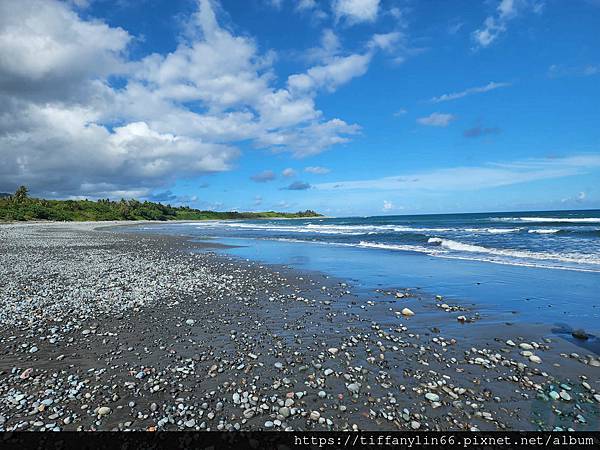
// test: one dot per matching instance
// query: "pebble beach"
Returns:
(106, 330)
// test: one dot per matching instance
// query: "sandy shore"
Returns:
(107, 330)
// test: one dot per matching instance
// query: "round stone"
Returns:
(103, 411)
(432, 397)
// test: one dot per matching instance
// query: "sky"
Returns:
(347, 107)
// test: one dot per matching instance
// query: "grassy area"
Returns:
(21, 207)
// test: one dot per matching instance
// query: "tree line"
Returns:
(21, 207)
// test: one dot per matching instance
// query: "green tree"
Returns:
(21, 194)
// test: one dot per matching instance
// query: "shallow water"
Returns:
(513, 266)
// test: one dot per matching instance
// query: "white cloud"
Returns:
(306, 4)
(355, 11)
(400, 112)
(475, 177)
(289, 172)
(58, 110)
(317, 170)
(311, 7)
(329, 47)
(311, 139)
(337, 71)
(333, 68)
(387, 205)
(474, 90)
(386, 41)
(496, 24)
(436, 120)
(47, 52)
(82, 4)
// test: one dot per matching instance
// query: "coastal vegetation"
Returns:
(21, 207)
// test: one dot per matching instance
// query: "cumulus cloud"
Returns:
(49, 53)
(474, 90)
(329, 47)
(66, 130)
(336, 71)
(313, 138)
(387, 205)
(297, 186)
(317, 170)
(289, 172)
(263, 177)
(436, 120)
(333, 68)
(355, 11)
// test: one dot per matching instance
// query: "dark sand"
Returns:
(124, 331)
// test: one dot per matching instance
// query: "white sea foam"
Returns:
(577, 258)
(354, 230)
(544, 231)
(362, 244)
(376, 228)
(549, 219)
(288, 229)
(521, 263)
(406, 248)
(493, 230)
(458, 246)
(447, 248)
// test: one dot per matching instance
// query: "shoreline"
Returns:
(184, 339)
(132, 222)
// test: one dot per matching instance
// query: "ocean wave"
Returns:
(406, 248)
(518, 254)
(493, 230)
(458, 246)
(289, 229)
(548, 219)
(544, 231)
(377, 228)
(361, 244)
(352, 230)
(448, 248)
(521, 263)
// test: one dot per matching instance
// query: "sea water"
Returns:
(535, 266)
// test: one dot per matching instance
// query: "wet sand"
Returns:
(108, 330)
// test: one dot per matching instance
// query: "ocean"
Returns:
(559, 240)
(543, 265)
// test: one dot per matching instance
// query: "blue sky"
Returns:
(348, 107)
